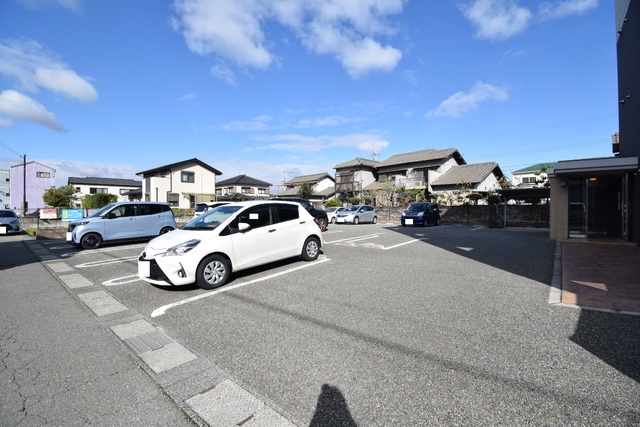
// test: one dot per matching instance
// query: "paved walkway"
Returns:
(601, 276)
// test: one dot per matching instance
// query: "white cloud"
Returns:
(564, 8)
(224, 73)
(497, 19)
(27, 62)
(228, 29)
(258, 123)
(364, 142)
(233, 31)
(66, 82)
(460, 102)
(19, 106)
(335, 120)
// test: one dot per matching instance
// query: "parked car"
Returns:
(122, 221)
(9, 222)
(205, 206)
(230, 238)
(421, 213)
(332, 212)
(356, 214)
(322, 219)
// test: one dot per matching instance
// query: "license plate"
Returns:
(69, 236)
(408, 221)
(3, 230)
(144, 268)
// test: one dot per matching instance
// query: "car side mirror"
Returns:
(243, 226)
(111, 215)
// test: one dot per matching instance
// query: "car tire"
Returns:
(356, 220)
(165, 230)
(375, 220)
(322, 223)
(311, 249)
(333, 220)
(437, 222)
(91, 241)
(213, 272)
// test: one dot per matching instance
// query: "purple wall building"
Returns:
(34, 178)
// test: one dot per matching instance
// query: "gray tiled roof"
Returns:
(243, 180)
(468, 174)
(308, 178)
(419, 156)
(358, 161)
(178, 165)
(113, 182)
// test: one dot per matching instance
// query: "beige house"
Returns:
(124, 189)
(181, 184)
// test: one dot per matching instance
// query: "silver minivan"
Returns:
(122, 221)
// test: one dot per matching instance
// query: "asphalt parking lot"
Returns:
(390, 326)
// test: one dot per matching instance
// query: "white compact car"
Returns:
(228, 238)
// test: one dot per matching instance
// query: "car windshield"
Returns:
(201, 207)
(416, 207)
(212, 218)
(352, 208)
(331, 209)
(102, 211)
(7, 214)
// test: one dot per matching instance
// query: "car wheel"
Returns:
(356, 220)
(165, 230)
(311, 249)
(322, 223)
(375, 220)
(213, 272)
(333, 220)
(91, 241)
(437, 222)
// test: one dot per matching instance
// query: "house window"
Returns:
(94, 190)
(123, 191)
(225, 191)
(263, 191)
(43, 175)
(246, 190)
(188, 177)
(218, 192)
(173, 199)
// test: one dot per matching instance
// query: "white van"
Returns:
(122, 221)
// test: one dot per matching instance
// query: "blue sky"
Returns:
(280, 88)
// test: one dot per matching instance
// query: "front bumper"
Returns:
(165, 270)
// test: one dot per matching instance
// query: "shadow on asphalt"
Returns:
(332, 409)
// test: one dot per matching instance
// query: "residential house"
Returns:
(600, 197)
(418, 169)
(181, 184)
(28, 183)
(5, 190)
(531, 176)
(467, 179)
(125, 189)
(353, 176)
(242, 187)
(322, 184)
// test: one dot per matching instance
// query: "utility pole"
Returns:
(24, 185)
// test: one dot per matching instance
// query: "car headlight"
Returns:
(81, 223)
(182, 248)
(420, 213)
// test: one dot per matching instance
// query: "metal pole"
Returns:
(24, 185)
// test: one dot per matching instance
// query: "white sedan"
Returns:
(228, 238)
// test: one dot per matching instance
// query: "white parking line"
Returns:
(354, 239)
(105, 262)
(405, 243)
(162, 310)
(96, 251)
(122, 280)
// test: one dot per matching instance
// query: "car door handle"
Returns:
(272, 230)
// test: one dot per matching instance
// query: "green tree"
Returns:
(305, 191)
(98, 200)
(61, 197)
